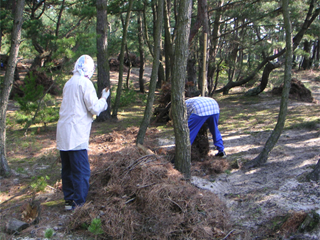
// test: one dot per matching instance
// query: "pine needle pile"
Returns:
(139, 196)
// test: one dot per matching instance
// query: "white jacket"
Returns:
(79, 104)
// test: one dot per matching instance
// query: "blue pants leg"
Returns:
(195, 122)
(212, 122)
(75, 175)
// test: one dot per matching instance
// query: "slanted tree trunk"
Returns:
(102, 55)
(59, 18)
(7, 84)
(153, 81)
(181, 130)
(273, 139)
(264, 79)
(123, 44)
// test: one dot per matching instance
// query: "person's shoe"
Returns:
(221, 154)
(68, 205)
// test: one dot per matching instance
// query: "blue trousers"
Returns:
(195, 122)
(75, 175)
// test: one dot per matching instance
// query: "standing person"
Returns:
(79, 104)
(199, 111)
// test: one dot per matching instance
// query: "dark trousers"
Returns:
(195, 122)
(75, 175)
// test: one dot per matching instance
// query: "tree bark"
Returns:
(264, 79)
(123, 44)
(141, 53)
(213, 43)
(7, 84)
(146, 35)
(153, 81)
(181, 130)
(129, 67)
(306, 63)
(168, 39)
(59, 18)
(273, 139)
(102, 55)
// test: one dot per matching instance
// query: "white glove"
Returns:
(105, 94)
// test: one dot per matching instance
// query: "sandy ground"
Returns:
(277, 188)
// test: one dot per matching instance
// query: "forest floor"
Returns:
(268, 202)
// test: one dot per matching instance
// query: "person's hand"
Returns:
(105, 93)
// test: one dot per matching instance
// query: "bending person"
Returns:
(199, 111)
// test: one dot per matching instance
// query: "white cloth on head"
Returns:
(84, 66)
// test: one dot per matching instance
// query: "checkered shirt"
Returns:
(202, 106)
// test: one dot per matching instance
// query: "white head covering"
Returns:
(84, 66)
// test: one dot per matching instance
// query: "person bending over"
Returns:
(199, 111)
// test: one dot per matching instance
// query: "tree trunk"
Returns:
(315, 174)
(161, 74)
(168, 41)
(191, 70)
(141, 53)
(181, 130)
(129, 67)
(102, 54)
(123, 44)
(7, 84)
(146, 35)
(213, 43)
(264, 79)
(318, 51)
(153, 81)
(273, 139)
(59, 18)
(306, 63)
(0, 38)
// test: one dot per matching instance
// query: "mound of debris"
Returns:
(161, 112)
(138, 196)
(297, 91)
(41, 78)
(132, 60)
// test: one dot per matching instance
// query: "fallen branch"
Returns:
(147, 151)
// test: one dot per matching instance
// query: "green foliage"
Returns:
(64, 46)
(84, 226)
(127, 97)
(39, 183)
(20, 170)
(95, 226)
(49, 233)
(32, 107)
(6, 20)
(32, 92)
